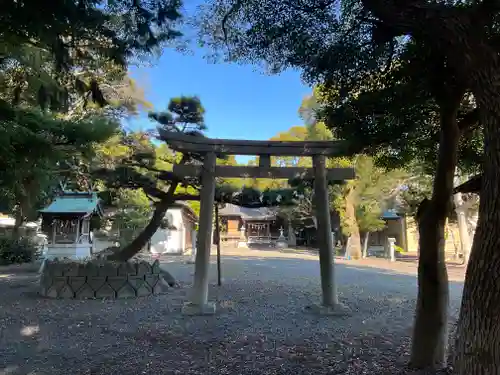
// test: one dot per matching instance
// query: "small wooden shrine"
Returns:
(67, 222)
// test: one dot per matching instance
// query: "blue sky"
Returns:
(240, 102)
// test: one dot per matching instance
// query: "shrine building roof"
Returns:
(74, 203)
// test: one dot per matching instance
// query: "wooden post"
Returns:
(217, 234)
(330, 304)
(199, 296)
(324, 229)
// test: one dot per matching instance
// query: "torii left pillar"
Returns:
(198, 304)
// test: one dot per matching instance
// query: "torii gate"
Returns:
(211, 148)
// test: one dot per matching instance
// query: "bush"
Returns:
(399, 249)
(16, 251)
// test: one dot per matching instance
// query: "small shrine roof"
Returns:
(390, 214)
(247, 213)
(73, 203)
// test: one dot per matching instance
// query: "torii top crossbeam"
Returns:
(188, 143)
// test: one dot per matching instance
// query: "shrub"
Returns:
(16, 251)
(399, 249)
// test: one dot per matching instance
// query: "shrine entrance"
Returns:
(213, 148)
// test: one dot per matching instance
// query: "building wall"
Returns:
(169, 241)
(189, 227)
(394, 228)
(174, 241)
(232, 225)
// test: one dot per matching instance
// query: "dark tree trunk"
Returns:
(463, 36)
(477, 346)
(145, 236)
(430, 335)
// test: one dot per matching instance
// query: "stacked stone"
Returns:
(98, 279)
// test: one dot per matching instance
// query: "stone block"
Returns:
(59, 282)
(108, 269)
(105, 291)
(54, 269)
(46, 280)
(126, 291)
(151, 280)
(98, 279)
(155, 267)
(43, 291)
(95, 282)
(144, 290)
(90, 269)
(136, 282)
(52, 292)
(66, 292)
(116, 282)
(85, 292)
(191, 309)
(143, 268)
(76, 282)
(127, 268)
(71, 269)
(161, 287)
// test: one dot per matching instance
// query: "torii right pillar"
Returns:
(330, 304)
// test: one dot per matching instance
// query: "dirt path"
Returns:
(260, 326)
(406, 267)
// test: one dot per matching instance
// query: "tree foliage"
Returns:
(36, 150)
(55, 54)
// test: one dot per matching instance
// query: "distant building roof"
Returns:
(74, 203)
(246, 213)
(390, 214)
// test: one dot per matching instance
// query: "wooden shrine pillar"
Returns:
(330, 304)
(199, 304)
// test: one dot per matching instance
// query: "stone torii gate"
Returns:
(213, 148)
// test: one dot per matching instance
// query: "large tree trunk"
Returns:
(365, 244)
(354, 249)
(430, 335)
(478, 330)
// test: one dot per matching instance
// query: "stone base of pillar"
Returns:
(191, 309)
(281, 244)
(337, 310)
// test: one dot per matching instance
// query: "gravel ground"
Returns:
(260, 326)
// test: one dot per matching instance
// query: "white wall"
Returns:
(99, 244)
(166, 241)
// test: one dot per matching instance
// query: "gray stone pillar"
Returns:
(330, 304)
(199, 304)
(391, 242)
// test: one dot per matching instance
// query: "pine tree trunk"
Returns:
(147, 233)
(477, 346)
(430, 335)
(354, 250)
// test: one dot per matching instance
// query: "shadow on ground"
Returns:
(260, 326)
